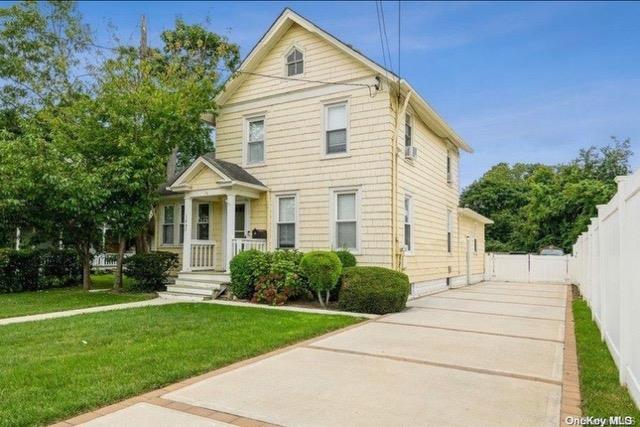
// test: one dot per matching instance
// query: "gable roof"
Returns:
(228, 171)
(470, 213)
(282, 24)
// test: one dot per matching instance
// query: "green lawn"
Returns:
(53, 369)
(602, 394)
(105, 281)
(50, 300)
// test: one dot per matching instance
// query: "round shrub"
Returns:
(346, 258)
(150, 271)
(246, 268)
(286, 264)
(322, 270)
(374, 290)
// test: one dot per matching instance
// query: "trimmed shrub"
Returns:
(59, 267)
(346, 258)
(271, 289)
(150, 271)
(374, 290)
(286, 263)
(246, 268)
(322, 270)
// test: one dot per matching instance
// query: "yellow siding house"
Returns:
(318, 147)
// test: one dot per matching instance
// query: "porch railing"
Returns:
(106, 261)
(241, 245)
(203, 254)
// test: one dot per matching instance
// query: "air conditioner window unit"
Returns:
(410, 152)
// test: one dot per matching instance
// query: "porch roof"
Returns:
(230, 172)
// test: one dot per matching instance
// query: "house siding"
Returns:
(294, 143)
(425, 180)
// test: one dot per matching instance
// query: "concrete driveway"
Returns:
(485, 355)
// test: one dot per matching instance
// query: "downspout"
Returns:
(400, 112)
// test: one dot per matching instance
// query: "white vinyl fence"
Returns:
(528, 268)
(603, 266)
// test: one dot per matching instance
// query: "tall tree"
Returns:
(40, 47)
(536, 205)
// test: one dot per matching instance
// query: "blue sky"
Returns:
(521, 81)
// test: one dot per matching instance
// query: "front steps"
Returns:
(197, 286)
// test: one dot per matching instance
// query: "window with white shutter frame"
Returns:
(336, 128)
(255, 140)
(168, 225)
(286, 221)
(346, 220)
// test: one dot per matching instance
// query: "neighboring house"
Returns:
(316, 149)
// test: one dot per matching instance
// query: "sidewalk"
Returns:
(68, 313)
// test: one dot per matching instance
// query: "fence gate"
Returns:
(529, 268)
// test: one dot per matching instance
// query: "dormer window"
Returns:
(295, 63)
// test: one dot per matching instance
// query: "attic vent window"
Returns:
(295, 63)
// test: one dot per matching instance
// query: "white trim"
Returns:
(326, 104)
(469, 213)
(209, 221)
(408, 251)
(276, 218)
(247, 218)
(247, 120)
(409, 115)
(449, 168)
(449, 242)
(163, 212)
(333, 206)
(293, 47)
(279, 28)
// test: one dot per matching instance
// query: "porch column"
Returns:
(186, 244)
(231, 226)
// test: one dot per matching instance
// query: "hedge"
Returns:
(150, 271)
(374, 290)
(37, 269)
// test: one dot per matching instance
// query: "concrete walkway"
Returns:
(68, 313)
(485, 355)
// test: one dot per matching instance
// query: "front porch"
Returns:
(215, 230)
(213, 211)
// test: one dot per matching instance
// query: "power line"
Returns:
(386, 37)
(399, 37)
(368, 86)
(384, 55)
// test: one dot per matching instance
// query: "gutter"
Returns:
(396, 262)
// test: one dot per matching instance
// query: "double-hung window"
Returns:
(295, 63)
(346, 220)
(203, 222)
(408, 222)
(255, 140)
(449, 230)
(408, 131)
(336, 128)
(181, 224)
(286, 221)
(167, 225)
